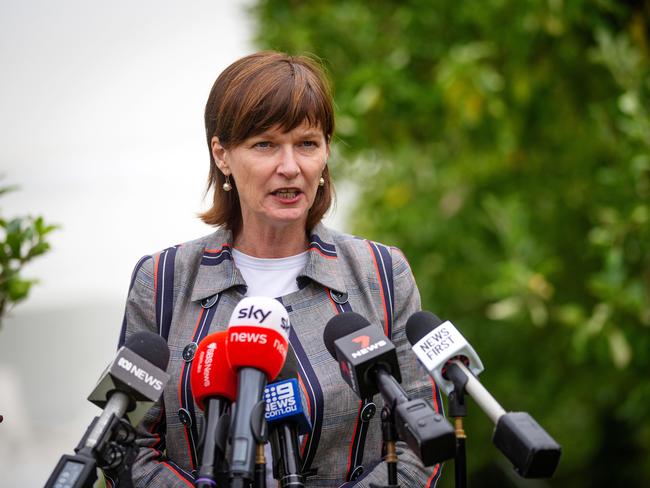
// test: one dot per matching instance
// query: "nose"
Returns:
(288, 164)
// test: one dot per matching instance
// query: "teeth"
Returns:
(288, 194)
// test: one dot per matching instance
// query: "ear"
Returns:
(219, 155)
(327, 155)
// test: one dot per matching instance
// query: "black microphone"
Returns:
(287, 418)
(128, 388)
(369, 364)
(450, 360)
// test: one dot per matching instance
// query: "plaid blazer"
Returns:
(187, 291)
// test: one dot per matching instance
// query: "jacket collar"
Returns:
(217, 271)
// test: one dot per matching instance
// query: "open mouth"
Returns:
(286, 193)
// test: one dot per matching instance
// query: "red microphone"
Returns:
(211, 375)
(257, 347)
(214, 387)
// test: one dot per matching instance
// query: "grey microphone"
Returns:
(127, 388)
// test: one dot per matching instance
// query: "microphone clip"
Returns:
(457, 404)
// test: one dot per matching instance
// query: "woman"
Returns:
(269, 123)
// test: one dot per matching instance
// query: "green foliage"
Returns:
(21, 240)
(504, 145)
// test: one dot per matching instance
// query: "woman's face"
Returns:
(276, 174)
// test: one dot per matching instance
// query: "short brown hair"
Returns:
(252, 95)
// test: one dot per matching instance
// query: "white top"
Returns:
(270, 277)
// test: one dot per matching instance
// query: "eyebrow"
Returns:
(307, 134)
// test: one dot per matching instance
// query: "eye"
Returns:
(262, 144)
(309, 144)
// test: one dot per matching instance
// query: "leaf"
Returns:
(18, 289)
(38, 249)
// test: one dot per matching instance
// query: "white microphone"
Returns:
(444, 352)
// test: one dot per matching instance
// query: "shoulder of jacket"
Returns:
(363, 253)
(196, 247)
(188, 253)
(354, 247)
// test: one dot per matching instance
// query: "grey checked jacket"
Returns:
(188, 291)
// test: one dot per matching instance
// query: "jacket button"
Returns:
(209, 301)
(185, 417)
(368, 412)
(339, 297)
(189, 351)
(358, 471)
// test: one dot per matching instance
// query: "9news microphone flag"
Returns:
(287, 419)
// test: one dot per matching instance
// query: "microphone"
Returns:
(287, 419)
(449, 359)
(128, 387)
(214, 387)
(256, 347)
(369, 365)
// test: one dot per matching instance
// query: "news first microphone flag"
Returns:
(440, 345)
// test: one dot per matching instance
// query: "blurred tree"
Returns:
(21, 240)
(504, 146)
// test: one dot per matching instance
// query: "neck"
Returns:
(272, 242)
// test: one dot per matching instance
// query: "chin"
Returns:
(288, 217)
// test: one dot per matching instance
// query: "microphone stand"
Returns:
(287, 468)
(389, 434)
(261, 434)
(458, 410)
(214, 467)
(389, 437)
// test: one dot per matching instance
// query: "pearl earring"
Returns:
(321, 181)
(227, 186)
